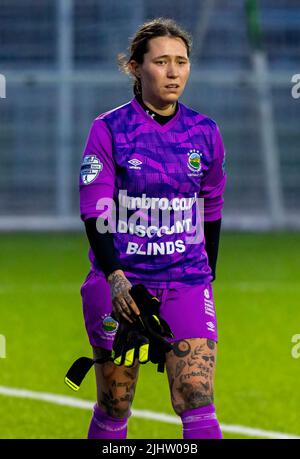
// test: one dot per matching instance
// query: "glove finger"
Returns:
(120, 343)
(131, 348)
(129, 357)
(166, 330)
(160, 326)
(117, 353)
(143, 348)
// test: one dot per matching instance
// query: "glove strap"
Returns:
(161, 366)
(79, 370)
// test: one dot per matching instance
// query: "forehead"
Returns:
(160, 46)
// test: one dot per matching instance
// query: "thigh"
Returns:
(190, 312)
(191, 370)
(115, 386)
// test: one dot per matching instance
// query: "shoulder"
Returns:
(194, 118)
(107, 122)
(121, 110)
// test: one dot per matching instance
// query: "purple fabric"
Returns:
(168, 166)
(189, 310)
(106, 427)
(97, 308)
(201, 423)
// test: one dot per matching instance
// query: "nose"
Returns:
(172, 70)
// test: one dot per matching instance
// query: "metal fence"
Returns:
(59, 62)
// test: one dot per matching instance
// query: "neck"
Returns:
(161, 109)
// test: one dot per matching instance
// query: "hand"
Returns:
(130, 344)
(123, 304)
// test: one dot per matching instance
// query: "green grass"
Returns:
(257, 296)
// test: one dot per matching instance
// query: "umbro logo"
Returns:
(135, 164)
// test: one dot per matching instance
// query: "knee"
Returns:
(120, 410)
(192, 395)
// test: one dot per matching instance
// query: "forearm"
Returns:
(102, 245)
(212, 236)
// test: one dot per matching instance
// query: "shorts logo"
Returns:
(208, 305)
(206, 293)
(194, 162)
(110, 325)
(210, 326)
(90, 168)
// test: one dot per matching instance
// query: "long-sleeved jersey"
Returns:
(149, 181)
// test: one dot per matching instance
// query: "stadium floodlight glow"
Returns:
(2, 86)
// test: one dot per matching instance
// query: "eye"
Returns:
(160, 62)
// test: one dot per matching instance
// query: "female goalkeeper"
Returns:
(144, 163)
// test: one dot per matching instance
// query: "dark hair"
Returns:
(159, 27)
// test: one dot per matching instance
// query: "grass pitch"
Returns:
(257, 295)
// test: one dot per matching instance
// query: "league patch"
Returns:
(90, 168)
(110, 325)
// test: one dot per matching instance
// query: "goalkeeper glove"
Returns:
(142, 339)
(129, 344)
(153, 326)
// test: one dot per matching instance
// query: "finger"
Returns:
(130, 301)
(116, 312)
(123, 309)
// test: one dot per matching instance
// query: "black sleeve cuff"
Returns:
(212, 236)
(103, 247)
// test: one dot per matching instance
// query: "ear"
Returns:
(134, 68)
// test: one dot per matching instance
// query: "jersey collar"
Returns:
(152, 121)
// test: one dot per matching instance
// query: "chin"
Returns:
(171, 98)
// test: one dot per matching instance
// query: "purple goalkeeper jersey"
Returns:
(149, 181)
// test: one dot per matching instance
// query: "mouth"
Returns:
(172, 86)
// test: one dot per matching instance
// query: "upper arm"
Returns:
(214, 180)
(98, 171)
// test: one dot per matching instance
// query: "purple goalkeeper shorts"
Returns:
(189, 310)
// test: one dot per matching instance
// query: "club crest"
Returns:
(194, 161)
